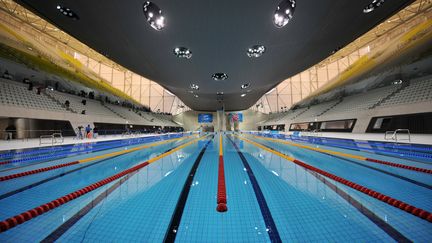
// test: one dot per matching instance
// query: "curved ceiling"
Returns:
(219, 34)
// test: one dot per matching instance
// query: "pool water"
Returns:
(174, 197)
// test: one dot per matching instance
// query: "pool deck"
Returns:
(34, 142)
(415, 138)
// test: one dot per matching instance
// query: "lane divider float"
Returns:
(418, 212)
(221, 190)
(88, 148)
(37, 211)
(54, 167)
(327, 151)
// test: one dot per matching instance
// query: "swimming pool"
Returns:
(167, 188)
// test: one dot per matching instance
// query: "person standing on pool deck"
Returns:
(88, 130)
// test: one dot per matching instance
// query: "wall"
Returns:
(189, 119)
(364, 117)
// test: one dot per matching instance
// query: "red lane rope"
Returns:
(5, 162)
(408, 167)
(332, 152)
(421, 213)
(32, 213)
(221, 193)
(31, 172)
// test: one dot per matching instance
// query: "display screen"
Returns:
(205, 118)
(236, 117)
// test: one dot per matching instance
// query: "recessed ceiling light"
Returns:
(182, 52)
(194, 86)
(399, 81)
(243, 95)
(154, 15)
(67, 12)
(245, 86)
(373, 5)
(219, 76)
(284, 13)
(255, 51)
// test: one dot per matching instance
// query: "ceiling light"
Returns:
(194, 86)
(219, 76)
(245, 86)
(399, 81)
(243, 95)
(284, 13)
(373, 5)
(196, 96)
(255, 51)
(182, 52)
(220, 93)
(67, 12)
(154, 15)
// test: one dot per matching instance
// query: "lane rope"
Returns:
(358, 157)
(221, 189)
(418, 212)
(103, 156)
(44, 208)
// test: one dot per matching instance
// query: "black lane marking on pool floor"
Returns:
(265, 211)
(392, 232)
(57, 233)
(11, 193)
(172, 229)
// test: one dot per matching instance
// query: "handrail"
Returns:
(53, 138)
(58, 135)
(46, 136)
(394, 135)
(403, 130)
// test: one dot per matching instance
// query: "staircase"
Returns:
(58, 102)
(113, 111)
(331, 107)
(300, 113)
(388, 96)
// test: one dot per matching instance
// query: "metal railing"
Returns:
(55, 138)
(27, 134)
(394, 135)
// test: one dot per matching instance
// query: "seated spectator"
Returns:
(67, 103)
(30, 85)
(39, 89)
(84, 102)
(7, 75)
(83, 112)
